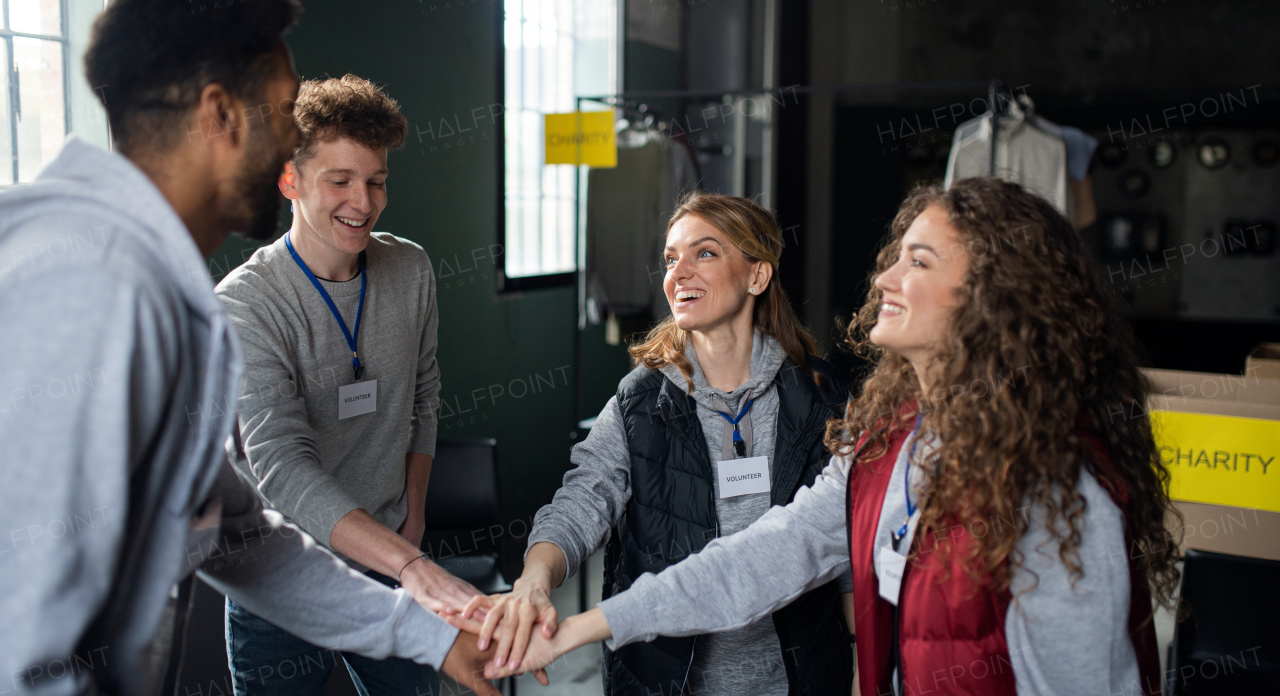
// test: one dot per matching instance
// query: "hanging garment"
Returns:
(1080, 147)
(1030, 151)
(627, 212)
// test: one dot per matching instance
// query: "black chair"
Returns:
(1230, 642)
(466, 534)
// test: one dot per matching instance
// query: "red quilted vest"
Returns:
(951, 631)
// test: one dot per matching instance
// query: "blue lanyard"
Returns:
(349, 335)
(906, 486)
(739, 447)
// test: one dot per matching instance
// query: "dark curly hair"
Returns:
(1034, 370)
(350, 107)
(149, 60)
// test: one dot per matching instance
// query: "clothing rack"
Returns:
(635, 104)
(640, 119)
(859, 89)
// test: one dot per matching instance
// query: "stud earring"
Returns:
(752, 291)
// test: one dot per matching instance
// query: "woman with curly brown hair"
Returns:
(1002, 507)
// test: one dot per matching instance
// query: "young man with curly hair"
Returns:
(336, 415)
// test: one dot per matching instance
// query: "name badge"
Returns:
(357, 399)
(743, 476)
(889, 572)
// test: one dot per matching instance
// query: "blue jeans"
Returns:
(266, 660)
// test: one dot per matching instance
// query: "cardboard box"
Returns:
(1263, 361)
(1220, 437)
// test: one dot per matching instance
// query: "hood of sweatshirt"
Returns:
(84, 171)
(767, 358)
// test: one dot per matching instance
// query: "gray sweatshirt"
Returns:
(305, 462)
(1062, 639)
(117, 392)
(747, 660)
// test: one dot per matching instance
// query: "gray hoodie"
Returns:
(747, 660)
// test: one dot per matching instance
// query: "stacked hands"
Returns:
(526, 629)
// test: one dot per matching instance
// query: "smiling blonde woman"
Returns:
(721, 419)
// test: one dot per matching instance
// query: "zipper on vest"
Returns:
(693, 651)
(689, 667)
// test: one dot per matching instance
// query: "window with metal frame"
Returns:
(553, 52)
(42, 89)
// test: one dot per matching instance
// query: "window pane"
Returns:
(6, 134)
(556, 50)
(88, 117)
(36, 16)
(41, 122)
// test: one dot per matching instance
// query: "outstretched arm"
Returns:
(576, 523)
(732, 582)
(279, 572)
(739, 579)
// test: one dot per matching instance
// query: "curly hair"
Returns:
(346, 107)
(149, 60)
(755, 232)
(1035, 369)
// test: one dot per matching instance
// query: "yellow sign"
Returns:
(1221, 460)
(581, 137)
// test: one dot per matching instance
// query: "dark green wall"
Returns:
(437, 59)
(650, 68)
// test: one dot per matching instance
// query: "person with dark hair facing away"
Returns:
(996, 483)
(336, 417)
(721, 419)
(125, 373)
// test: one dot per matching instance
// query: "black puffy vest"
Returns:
(672, 515)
